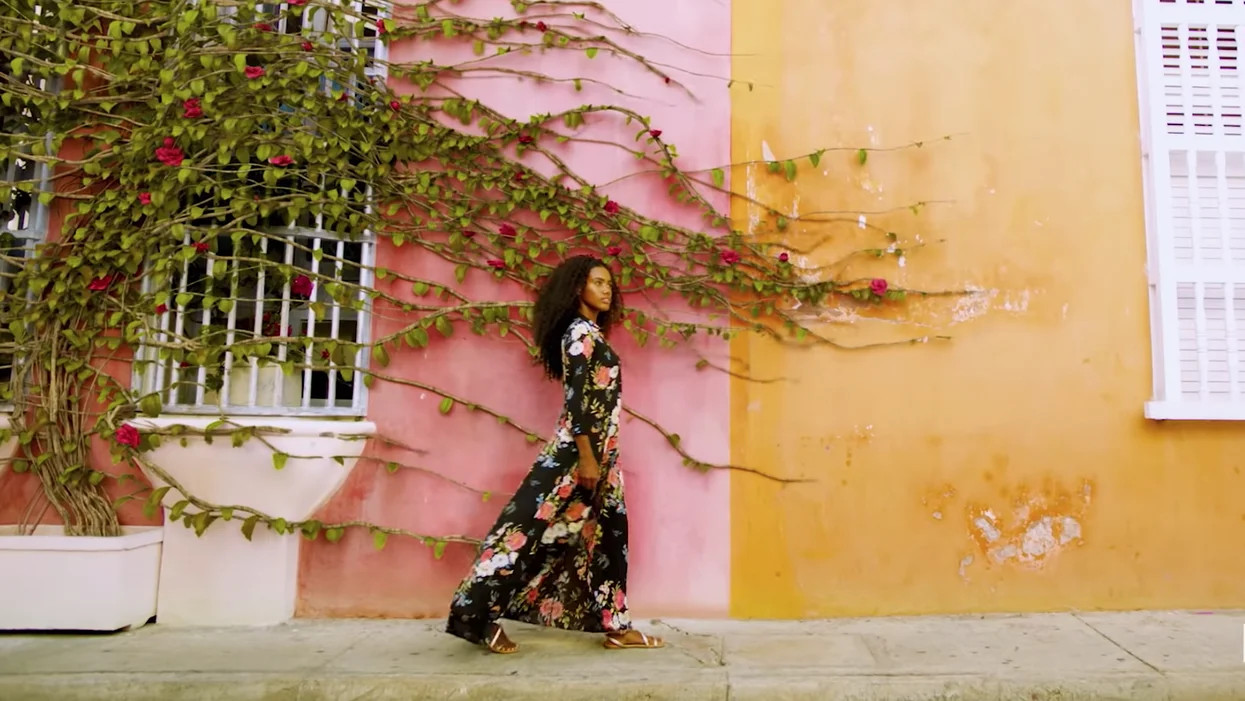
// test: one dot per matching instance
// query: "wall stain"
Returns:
(1033, 527)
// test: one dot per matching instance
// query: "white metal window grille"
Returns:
(23, 216)
(286, 315)
(1191, 70)
(295, 374)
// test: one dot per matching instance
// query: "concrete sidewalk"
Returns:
(1147, 655)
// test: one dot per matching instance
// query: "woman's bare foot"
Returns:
(632, 639)
(499, 643)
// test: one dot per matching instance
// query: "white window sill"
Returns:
(1196, 411)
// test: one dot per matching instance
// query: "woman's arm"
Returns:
(577, 364)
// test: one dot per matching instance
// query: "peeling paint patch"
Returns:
(1037, 527)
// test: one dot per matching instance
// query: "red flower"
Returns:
(127, 435)
(542, 26)
(169, 154)
(614, 250)
(654, 133)
(254, 72)
(144, 198)
(468, 233)
(161, 308)
(878, 286)
(263, 26)
(380, 26)
(295, 3)
(783, 257)
(667, 80)
(525, 139)
(100, 284)
(611, 207)
(499, 264)
(201, 246)
(729, 257)
(325, 354)
(302, 286)
(308, 46)
(191, 109)
(507, 230)
(282, 160)
(395, 105)
(520, 177)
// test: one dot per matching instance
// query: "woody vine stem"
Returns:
(184, 133)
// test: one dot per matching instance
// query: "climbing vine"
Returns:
(183, 140)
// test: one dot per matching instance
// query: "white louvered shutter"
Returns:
(1191, 65)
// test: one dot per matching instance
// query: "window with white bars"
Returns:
(1191, 72)
(23, 215)
(287, 324)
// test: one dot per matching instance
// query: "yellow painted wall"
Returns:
(1034, 407)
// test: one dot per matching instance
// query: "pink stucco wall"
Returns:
(680, 535)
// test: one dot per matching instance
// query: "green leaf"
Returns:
(380, 355)
(248, 526)
(719, 177)
(862, 156)
(446, 405)
(379, 538)
(438, 550)
(278, 460)
(591, 51)
(815, 158)
(239, 61)
(444, 326)
(333, 535)
(791, 170)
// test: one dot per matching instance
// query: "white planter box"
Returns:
(50, 581)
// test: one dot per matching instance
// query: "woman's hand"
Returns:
(589, 474)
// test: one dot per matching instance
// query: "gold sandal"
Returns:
(646, 643)
(493, 645)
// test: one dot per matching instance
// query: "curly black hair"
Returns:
(558, 304)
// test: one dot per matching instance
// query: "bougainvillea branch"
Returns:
(227, 171)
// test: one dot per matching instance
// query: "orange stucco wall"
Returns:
(929, 461)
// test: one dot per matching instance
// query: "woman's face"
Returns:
(598, 291)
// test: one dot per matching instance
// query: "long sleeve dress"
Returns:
(557, 555)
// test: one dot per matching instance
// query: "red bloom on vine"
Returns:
(498, 264)
(254, 72)
(282, 160)
(611, 207)
(380, 26)
(729, 257)
(302, 286)
(295, 3)
(263, 26)
(202, 246)
(161, 308)
(100, 284)
(395, 105)
(667, 80)
(191, 109)
(878, 286)
(468, 233)
(169, 154)
(541, 26)
(127, 435)
(614, 250)
(783, 257)
(308, 46)
(507, 230)
(654, 133)
(526, 139)
(144, 198)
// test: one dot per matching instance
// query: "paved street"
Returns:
(1147, 655)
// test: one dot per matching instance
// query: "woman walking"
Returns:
(557, 555)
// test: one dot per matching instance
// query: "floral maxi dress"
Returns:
(557, 555)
